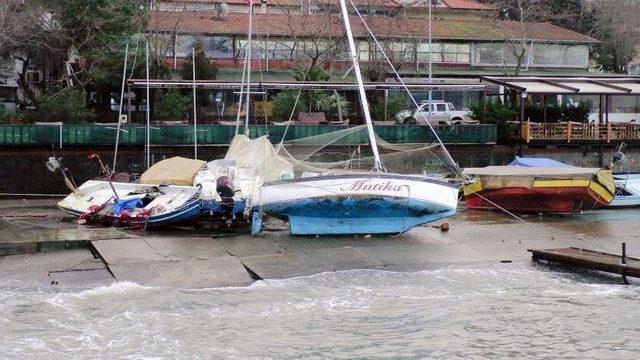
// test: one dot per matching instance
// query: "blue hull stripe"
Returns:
(186, 212)
(348, 215)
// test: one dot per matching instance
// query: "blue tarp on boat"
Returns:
(126, 204)
(537, 162)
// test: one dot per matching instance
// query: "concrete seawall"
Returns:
(23, 170)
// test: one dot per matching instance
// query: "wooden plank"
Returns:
(589, 259)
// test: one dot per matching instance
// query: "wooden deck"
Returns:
(589, 259)
(575, 132)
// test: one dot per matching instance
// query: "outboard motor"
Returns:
(226, 190)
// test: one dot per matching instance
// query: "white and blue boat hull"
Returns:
(357, 203)
(627, 190)
(177, 204)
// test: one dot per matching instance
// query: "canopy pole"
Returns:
(195, 112)
(124, 79)
(363, 98)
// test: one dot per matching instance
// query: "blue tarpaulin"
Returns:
(126, 204)
(537, 162)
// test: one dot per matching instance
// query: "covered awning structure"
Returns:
(573, 131)
(603, 86)
(303, 85)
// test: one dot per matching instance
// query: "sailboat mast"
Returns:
(195, 111)
(363, 98)
(148, 139)
(248, 53)
(124, 79)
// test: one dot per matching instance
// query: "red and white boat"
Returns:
(539, 189)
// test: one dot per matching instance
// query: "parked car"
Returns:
(442, 113)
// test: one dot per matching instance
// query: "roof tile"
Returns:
(383, 26)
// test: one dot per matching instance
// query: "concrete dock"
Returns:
(38, 243)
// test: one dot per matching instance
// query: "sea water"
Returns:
(491, 311)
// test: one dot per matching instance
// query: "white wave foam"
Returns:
(117, 288)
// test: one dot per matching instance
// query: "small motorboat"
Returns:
(627, 190)
(165, 196)
(132, 205)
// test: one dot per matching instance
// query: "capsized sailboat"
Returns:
(165, 196)
(344, 203)
(366, 203)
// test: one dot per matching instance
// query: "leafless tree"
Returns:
(617, 25)
(516, 20)
(30, 36)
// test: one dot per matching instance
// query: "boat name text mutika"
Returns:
(365, 185)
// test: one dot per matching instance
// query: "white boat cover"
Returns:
(261, 155)
(173, 171)
(497, 177)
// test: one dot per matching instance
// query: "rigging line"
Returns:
(449, 157)
(544, 226)
(244, 71)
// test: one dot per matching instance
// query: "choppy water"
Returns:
(509, 310)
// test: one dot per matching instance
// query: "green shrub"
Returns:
(395, 104)
(68, 105)
(283, 103)
(578, 113)
(555, 113)
(172, 106)
(497, 113)
(3, 114)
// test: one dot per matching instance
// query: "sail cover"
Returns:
(259, 154)
(537, 162)
(173, 171)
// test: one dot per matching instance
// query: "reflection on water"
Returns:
(508, 310)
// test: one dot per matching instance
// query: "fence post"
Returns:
(569, 129)
(608, 132)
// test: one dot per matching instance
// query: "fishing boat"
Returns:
(627, 190)
(344, 203)
(538, 189)
(164, 196)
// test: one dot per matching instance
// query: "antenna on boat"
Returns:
(124, 79)
(195, 112)
(363, 98)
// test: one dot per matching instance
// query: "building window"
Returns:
(497, 54)
(543, 55)
(281, 49)
(214, 46)
(445, 52)
(555, 55)
(257, 48)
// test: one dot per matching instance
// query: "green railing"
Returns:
(220, 135)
